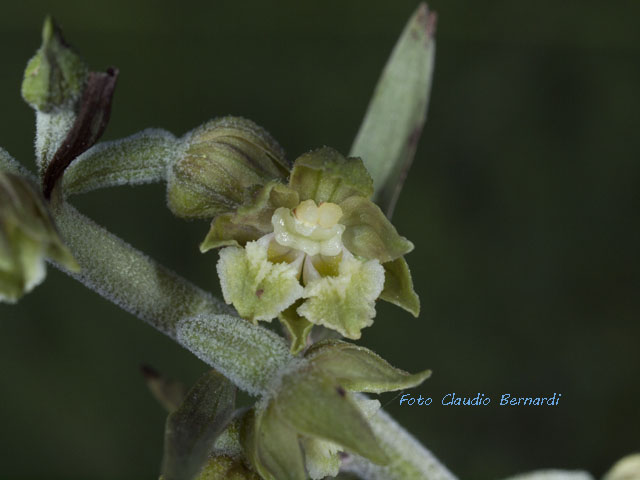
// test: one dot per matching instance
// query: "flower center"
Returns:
(311, 228)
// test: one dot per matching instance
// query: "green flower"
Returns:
(315, 251)
(27, 238)
(311, 417)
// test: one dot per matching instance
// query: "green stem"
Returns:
(409, 458)
(163, 299)
(251, 356)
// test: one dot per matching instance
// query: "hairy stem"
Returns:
(409, 458)
(139, 285)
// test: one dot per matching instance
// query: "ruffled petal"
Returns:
(346, 302)
(257, 288)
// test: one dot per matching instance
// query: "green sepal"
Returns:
(192, 429)
(346, 302)
(325, 175)
(398, 286)
(222, 160)
(359, 369)
(298, 328)
(251, 220)
(317, 405)
(272, 446)
(369, 234)
(169, 393)
(257, 288)
(55, 76)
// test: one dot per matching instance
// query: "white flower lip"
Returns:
(310, 228)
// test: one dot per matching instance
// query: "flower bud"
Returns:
(56, 75)
(222, 160)
(27, 237)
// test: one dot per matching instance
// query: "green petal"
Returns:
(369, 234)
(297, 327)
(257, 288)
(272, 446)
(359, 369)
(324, 175)
(318, 406)
(251, 220)
(345, 303)
(398, 286)
(193, 428)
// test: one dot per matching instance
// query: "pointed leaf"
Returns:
(389, 133)
(369, 234)
(325, 175)
(398, 286)
(251, 220)
(318, 406)
(193, 428)
(359, 369)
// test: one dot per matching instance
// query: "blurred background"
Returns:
(523, 204)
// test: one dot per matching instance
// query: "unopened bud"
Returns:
(223, 159)
(56, 75)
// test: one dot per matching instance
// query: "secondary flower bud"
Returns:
(55, 76)
(222, 160)
(27, 237)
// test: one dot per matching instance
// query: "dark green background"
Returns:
(523, 205)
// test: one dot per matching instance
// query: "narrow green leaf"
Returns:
(389, 133)
(359, 369)
(193, 428)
